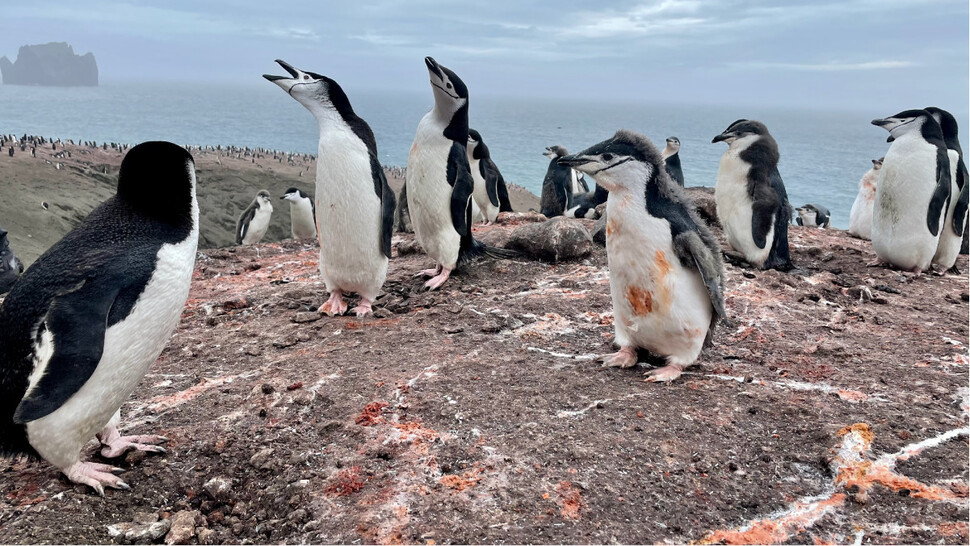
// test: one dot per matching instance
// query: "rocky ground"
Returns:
(833, 410)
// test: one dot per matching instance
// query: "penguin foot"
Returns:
(953, 270)
(429, 272)
(115, 445)
(624, 358)
(438, 280)
(335, 305)
(95, 475)
(667, 373)
(364, 308)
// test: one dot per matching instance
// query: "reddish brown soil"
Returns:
(475, 414)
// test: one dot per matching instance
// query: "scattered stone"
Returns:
(219, 488)
(266, 388)
(262, 460)
(599, 230)
(238, 303)
(305, 316)
(142, 533)
(557, 240)
(408, 246)
(294, 386)
(182, 527)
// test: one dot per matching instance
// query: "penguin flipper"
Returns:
(76, 321)
(503, 192)
(960, 212)
(941, 195)
(491, 181)
(461, 182)
(242, 225)
(690, 248)
(386, 196)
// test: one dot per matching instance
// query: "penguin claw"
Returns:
(665, 374)
(95, 475)
(626, 357)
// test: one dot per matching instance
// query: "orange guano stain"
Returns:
(641, 300)
(570, 500)
(611, 227)
(768, 531)
(663, 266)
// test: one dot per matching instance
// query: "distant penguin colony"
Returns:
(666, 275)
(671, 157)
(860, 216)
(83, 324)
(303, 214)
(557, 186)
(485, 179)
(913, 191)
(355, 206)
(750, 196)
(951, 238)
(811, 215)
(254, 221)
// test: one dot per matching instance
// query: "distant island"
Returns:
(52, 64)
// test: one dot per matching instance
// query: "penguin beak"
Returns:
(722, 137)
(433, 67)
(285, 83)
(881, 122)
(573, 161)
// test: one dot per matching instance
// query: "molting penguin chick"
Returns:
(303, 214)
(815, 216)
(951, 238)
(84, 323)
(356, 206)
(440, 183)
(254, 221)
(750, 196)
(911, 197)
(860, 217)
(486, 183)
(10, 265)
(671, 157)
(557, 186)
(666, 275)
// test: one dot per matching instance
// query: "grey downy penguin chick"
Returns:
(860, 216)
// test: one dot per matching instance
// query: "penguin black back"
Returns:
(763, 157)
(951, 137)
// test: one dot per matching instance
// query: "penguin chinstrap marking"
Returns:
(666, 274)
(671, 157)
(951, 238)
(860, 216)
(354, 204)
(913, 191)
(10, 265)
(303, 214)
(254, 221)
(750, 197)
(440, 183)
(84, 323)
(815, 216)
(485, 176)
(557, 186)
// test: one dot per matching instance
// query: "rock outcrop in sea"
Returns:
(53, 64)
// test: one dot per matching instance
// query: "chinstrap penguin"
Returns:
(84, 323)
(303, 214)
(254, 221)
(666, 274)
(671, 157)
(750, 196)
(485, 179)
(815, 216)
(10, 265)
(860, 216)
(951, 238)
(355, 206)
(584, 205)
(912, 193)
(557, 186)
(440, 183)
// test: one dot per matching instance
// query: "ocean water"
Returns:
(824, 153)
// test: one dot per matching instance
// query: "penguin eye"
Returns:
(607, 157)
(448, 85)
(305, 77)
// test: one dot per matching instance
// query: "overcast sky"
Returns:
(824, 54)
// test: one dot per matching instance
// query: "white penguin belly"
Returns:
(480, 195)
(860, 217)
(130, 348)
(734, 209)
(429, 198)
(907, 180)
(301, 220)
(349, 217)
(949, 246)
(658, 304)
(258, 225)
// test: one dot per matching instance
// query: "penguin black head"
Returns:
(262, 198)
(475, 144)
(948, 124)
(741, 129)
(158, 179)
(877, 163)
(319, 94)
(626, 158)
(813, 215)
(673, 143)
(294, 194)
(552, 152)
(450, 92)
(905, 122)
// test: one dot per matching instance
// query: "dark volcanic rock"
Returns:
(53, 64)
(557, 240)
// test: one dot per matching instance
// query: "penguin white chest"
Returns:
(734, 208)
(301, 219)
(480, 193)
(258, 225)
(131, 346)
(429, 194)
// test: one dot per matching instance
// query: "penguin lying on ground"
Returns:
(671, 157)
(951, 238)
(440, 182)
(584, 205)
(557, 186)
(254, 221)
(486, 179)
(356, 205)
(303, 214)
(860, 217)
(83, 324)
(813, 216)
(750, 196)
(666, 275)
(10, 265)
(911, 197)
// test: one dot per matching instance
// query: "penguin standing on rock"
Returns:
(860, 217)
(355, 206)
(439, 180)
(750, 196)
(83, 324)
(666, 275)
(303, 214)
(671, 157)
(486, 179)
(951, 239)
(254, 221)
(815, 216)
(557, 186)
(912, 194)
